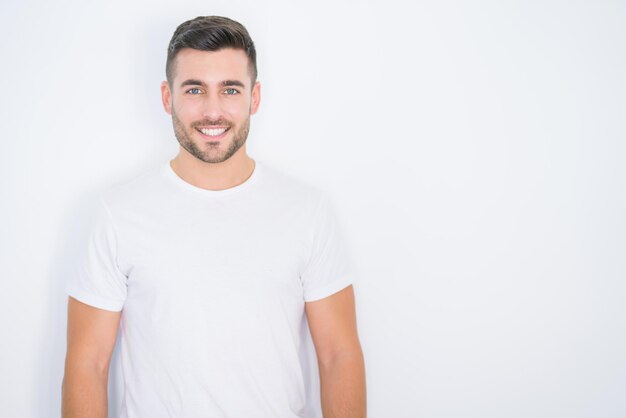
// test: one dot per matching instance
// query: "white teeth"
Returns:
(213, 132)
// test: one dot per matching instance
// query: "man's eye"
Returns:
(194, 91)
(231, 91)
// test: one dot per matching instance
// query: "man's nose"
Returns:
(212, 107)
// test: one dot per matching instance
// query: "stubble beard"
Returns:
(210, 152)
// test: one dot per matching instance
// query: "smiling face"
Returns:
(211, 98)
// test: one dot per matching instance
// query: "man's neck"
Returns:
(218, 176)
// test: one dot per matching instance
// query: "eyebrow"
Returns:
(225, 83)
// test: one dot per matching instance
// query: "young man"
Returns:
(230, 280)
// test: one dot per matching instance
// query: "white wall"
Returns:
(475, 152)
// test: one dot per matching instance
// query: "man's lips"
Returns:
(213, 132)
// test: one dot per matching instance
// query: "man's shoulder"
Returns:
(291, 186)
(140, 187)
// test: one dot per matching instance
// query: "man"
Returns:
(229, 280)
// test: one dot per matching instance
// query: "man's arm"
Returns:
(332, 322)
(91, 334)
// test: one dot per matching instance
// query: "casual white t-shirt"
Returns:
(212, 286)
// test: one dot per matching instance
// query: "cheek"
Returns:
(186, 109)
(239, 109)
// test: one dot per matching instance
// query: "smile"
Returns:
(212, 131)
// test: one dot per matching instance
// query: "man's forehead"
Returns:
(212, 66)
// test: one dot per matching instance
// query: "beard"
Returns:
(210, 152)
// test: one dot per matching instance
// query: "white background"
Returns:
(474, 151)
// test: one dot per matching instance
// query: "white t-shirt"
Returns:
(212, 286)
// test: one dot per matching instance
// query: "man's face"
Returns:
(211, 100)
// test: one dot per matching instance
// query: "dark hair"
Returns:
(210, 33)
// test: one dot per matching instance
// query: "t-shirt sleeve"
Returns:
(95, 277)
(329, 268)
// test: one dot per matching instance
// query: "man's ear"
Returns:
(256, 98)
(166, 97)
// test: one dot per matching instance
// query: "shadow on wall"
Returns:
(51, 356)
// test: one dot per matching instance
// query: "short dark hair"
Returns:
(210, 33)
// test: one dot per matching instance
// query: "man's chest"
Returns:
(216, 253)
